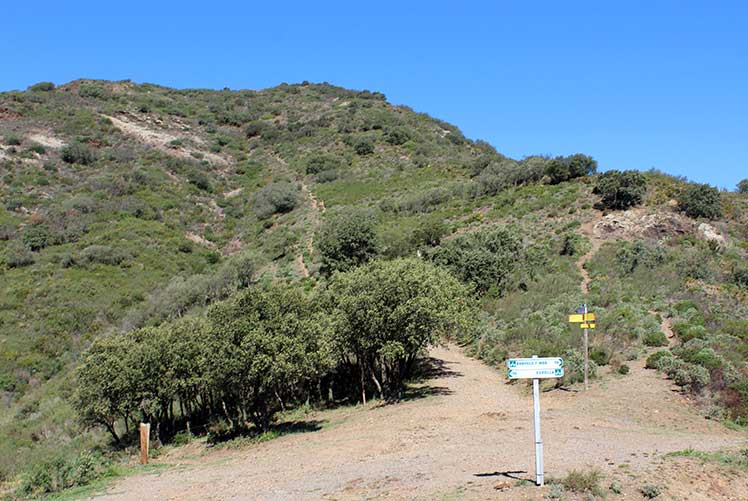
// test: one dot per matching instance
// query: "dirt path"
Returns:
(311, 219)
(456, 442)
(588, 230)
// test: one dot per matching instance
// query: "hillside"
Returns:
(127, 206)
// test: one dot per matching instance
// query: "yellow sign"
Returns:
(589, 316)
(576, 318)
(588, 326)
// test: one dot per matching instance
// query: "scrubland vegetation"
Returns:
(191, 278)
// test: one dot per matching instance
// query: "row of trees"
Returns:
(271, 347)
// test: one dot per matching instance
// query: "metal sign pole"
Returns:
(538, 439)
(586, 353)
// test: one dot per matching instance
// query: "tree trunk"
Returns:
(363, 380)
(110, 429)
(376, 381)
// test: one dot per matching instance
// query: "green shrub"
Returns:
(742, 186)
(705, 357)
(655, 338)
(700, 200)
(429, 231)
(363, 147)
(39, 149)
(692, 332)
(199, 179)
(580, 481)
(740, 276)
(650, 491)
(36, 237)
(59, 473)
(77, 153)
(322, 162)
(347, 239)
(691, 376)
(12, 139)
(624, 369)
(397, 136)
(574, 367)
(621, 190)
(278, 197)
(327, 176)
(616, 487)
(18, 255)
(737, 328)
(600, 356)
(7, 232)
(653, 360)
(42, 87)
(102, 254)
(485, 259)
(555, 491)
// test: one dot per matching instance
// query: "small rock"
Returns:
(503, 486)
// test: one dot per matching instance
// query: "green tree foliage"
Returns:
(485, 259)
(742, 186)
(106, 384)
(621, 190)
(700, 200)
(347, 239)
(386, 312)
(263, 346)
(278, 197)
(562, 169)
(429, 231)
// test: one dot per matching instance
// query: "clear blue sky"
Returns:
(634, 84)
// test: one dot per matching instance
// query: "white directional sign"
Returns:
(539, 373)
(535, 363)
(536, 368)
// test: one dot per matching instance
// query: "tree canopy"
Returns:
(387, 312)
(621, 190)
(346, 240)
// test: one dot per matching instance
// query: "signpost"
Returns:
(586, 321)
(536, 368)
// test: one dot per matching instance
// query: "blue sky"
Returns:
(634, 84)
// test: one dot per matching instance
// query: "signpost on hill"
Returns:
(586, 321)
(536, 368)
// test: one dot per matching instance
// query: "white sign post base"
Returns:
(538, 440)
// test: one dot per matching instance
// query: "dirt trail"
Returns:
(312, 218)
(456, 442)
(588, 230)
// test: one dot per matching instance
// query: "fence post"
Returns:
(145, 435)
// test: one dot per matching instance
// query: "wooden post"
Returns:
(145, 435)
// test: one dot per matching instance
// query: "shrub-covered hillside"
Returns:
(127, 207)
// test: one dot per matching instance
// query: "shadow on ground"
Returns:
(252, 434)
(513, 474)
(428, 369)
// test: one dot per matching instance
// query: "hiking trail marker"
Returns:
(586, 321)
(536, 368)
